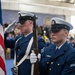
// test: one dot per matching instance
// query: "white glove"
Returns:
(39, 56)
(33, 57)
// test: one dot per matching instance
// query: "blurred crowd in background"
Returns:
(11, 36)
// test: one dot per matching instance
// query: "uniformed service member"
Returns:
(26, 21)
(59, 58)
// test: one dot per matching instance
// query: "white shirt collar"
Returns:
(60, 46)
(28, 34)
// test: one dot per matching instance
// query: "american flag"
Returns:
(2, 57)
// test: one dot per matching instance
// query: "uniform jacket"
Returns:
(61, 62)
(21, 45)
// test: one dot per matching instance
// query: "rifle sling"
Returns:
(26, 53)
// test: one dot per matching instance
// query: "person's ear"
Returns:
(31, 22)
(66, 32)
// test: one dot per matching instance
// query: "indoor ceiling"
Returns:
(65, 1)
(51, 6)
(61, 1)
(69, 4)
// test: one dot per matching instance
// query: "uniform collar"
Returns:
(64, 48)
(60, 46)
(28, 34)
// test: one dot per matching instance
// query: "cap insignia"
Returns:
(53, 22)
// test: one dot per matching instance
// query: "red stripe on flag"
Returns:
(2, 65)
(2, 42)
(2, 59)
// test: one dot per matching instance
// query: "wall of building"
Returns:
(11, 15)
(40, 6)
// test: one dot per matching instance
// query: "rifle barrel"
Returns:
(35, 43)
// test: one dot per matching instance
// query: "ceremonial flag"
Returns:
(2, 54)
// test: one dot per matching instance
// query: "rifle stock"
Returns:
(35, 44)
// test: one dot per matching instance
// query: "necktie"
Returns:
(56, 50)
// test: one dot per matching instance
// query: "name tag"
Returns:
(48, 56)
(72, 65)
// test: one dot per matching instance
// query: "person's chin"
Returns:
(54, 41)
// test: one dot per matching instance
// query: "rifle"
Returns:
(35, 67)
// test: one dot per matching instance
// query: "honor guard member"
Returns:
(59, 58)
(22, 51)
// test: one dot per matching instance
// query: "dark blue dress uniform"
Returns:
(25, 67)
(61, 62)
